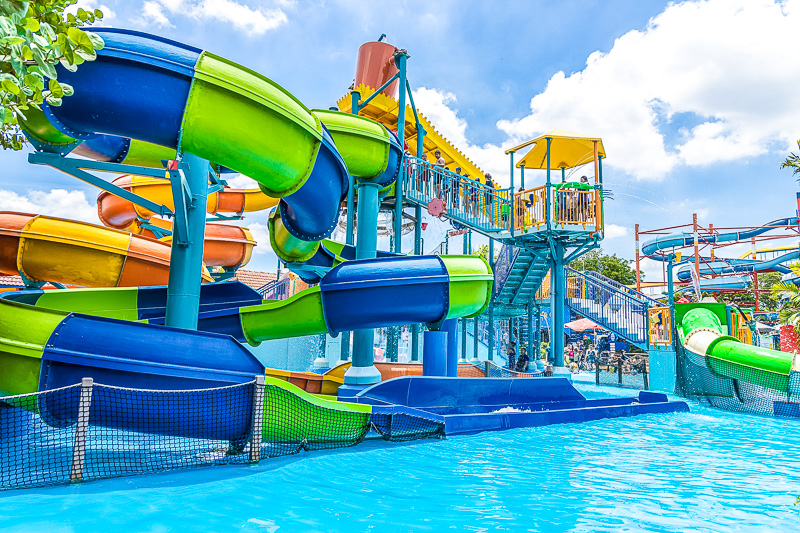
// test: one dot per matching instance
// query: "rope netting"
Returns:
(93, 431)
(493, 370)
(736, 387)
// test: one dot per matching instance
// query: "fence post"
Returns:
(486, 370)
(258, 419)
(619, 369)
(597, 369)
(645, 374)
(81, 430)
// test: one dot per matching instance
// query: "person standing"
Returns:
(512, 355)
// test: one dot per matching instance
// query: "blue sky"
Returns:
(696, 101)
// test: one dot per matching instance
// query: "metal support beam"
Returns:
(363, 371)
(557, 295)
(491, 305)
(186, 258)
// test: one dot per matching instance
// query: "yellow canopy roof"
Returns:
(384, 109)
(567, 150)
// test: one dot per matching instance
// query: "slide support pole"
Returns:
(190, 190)
(450, 326)
(491, 304)
(557, 290)
(363, 372)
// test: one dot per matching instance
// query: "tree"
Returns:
(34, 38)
(767, 301)
(793, 162)
(610, 266)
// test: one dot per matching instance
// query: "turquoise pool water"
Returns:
(706, 471)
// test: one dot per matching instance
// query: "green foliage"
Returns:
(767, 301)
(483, 251)
(34, 38)
(789, 295)
(793, 162)
(610, 266)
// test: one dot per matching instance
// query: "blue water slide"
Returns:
(739, 266)
(682, 240)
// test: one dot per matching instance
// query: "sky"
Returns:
(696, 101)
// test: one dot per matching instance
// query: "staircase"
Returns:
(518, 274)
(616, 308)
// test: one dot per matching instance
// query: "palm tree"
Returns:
(788, 296)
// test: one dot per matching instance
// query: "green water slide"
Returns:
(701, 331)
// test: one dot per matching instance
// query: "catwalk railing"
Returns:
(489, 209)
(608, 306)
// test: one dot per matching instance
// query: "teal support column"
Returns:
(522, 176)
(355, 96)
(512, 209)
(417, 251)
(186, 258)
(475, 357)
(557, 293)
(363, 372)
(548, 195)
(529, 333)
(602, 206)
(464, 321)
(491, 304)
(400, 58)
(538, 347)
(434, 353)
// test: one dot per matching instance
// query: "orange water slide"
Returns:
(44, 248)
(225, 245)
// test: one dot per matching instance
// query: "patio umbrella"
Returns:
(582, 324)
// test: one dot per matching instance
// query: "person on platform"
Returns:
(512, 355)
(523, 361)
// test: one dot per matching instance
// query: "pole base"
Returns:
(362, 375)
(562, 372)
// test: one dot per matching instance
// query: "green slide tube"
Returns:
(24, 331)
(702, 332)
(470, 285)
(297, 316)
(363, 143)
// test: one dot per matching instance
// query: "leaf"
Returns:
(27, 54)
(84, 55)
(45, 68)
(10, 41)
(69, 66)
(80, 39)
(10, 86)
(31, 24)
(47, 31)
(68, 90)
(7, 27)
(55, 102)
(98, 14)
(97, 41)
(55, 89)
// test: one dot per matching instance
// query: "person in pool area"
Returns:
(512, 355)
(523, 361)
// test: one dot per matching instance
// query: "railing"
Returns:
(659, 326)
(276, 290)
(609, 307)
(504, 265)
(464, 199)
(623, 288)
(739, 327)
(569, 206)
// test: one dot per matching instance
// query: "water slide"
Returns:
(702, 333)
(161, 92)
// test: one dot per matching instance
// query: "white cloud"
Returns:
(57, 203)
(726, 62)
(614, 230)
(240, 181)
(261, 235)
(153, 14)
(253, 21)
(91, 5)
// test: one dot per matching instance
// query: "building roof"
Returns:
(254, 278)
(11, 281)
(567, 150)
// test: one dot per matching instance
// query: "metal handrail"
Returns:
(622, 287)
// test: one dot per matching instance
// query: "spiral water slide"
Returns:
(161, 92)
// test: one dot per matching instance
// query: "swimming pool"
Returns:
(709, 470)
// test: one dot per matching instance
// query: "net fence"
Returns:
(736, 387)
(493, 370)
(92, 431)
(629, 371)
(403, 427)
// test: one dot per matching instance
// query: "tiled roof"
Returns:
(13, 281)
(253, 278)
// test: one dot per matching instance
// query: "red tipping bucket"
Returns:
(375, 66)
